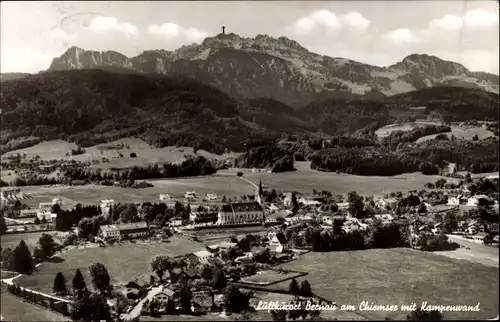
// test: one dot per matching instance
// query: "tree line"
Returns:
(428, 157)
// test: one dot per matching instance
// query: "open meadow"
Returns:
(31, 239)
(462, 132)
(268, 277)
(399, 276)
(145, 153)
(125, 262)
(226, 183)
(13, 309)
(407, 126)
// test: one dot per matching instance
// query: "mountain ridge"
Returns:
(282, 69)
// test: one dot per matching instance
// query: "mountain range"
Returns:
(281, 69)
(230, 93)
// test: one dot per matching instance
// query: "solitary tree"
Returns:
(294, 288)
(47, 246)
(305, 289)
(100, 277)
(356, 206)
(23, 263)
(219, 280)
(59, 284)
(295, 203)
(160, 264)
(78, 282)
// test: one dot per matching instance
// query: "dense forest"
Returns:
(90, 107)
(475, 157)
(274, 157)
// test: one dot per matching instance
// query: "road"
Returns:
(472, 251)
(250, 182)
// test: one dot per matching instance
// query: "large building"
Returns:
(240, 213)
(124, 231)
(45, 207)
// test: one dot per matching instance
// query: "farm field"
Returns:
(305, 179)
(13, 309)
(226, 183)
(399, 276)
(462, 132)
(125, 262)
(146, 154)
(408, 126)
(230, 186)
(12, 240)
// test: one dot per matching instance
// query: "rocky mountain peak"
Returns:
(280, 68)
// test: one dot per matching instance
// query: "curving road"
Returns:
(472, 251)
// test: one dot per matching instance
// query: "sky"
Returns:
(374, 32)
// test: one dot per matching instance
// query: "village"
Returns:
(285, 226)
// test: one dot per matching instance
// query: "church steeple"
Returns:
(258, 197)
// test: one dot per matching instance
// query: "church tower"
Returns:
(259, 193)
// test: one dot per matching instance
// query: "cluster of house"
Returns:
(43, 212)
(471, 201)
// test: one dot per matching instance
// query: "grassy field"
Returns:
(266, 277)
(124, 262)
(408, 126)
(13, 309)
(12, 240)
(146, 154)
(226, 183)
(462, 132)
(305, 179)
(400, 276)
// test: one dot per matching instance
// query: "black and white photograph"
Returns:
(249, 160)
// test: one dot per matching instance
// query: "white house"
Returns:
(28, 212)
(201, 257)
(49, 217)
(190, 195)
(385, 203)
(277, 241)
(211, 196)
(105, 206)
(287, 199)
(165, 197)
(343, 205)
(162, 294)
(45, 207)
(176, 221)
(57, 201)
(109, 231)
(308, 202)
(475, 200)
(454, 201)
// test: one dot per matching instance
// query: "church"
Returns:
(243, 212)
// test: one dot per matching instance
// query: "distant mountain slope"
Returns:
(93, 106)
(281, 69)
(454, 103)
(12, 76)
